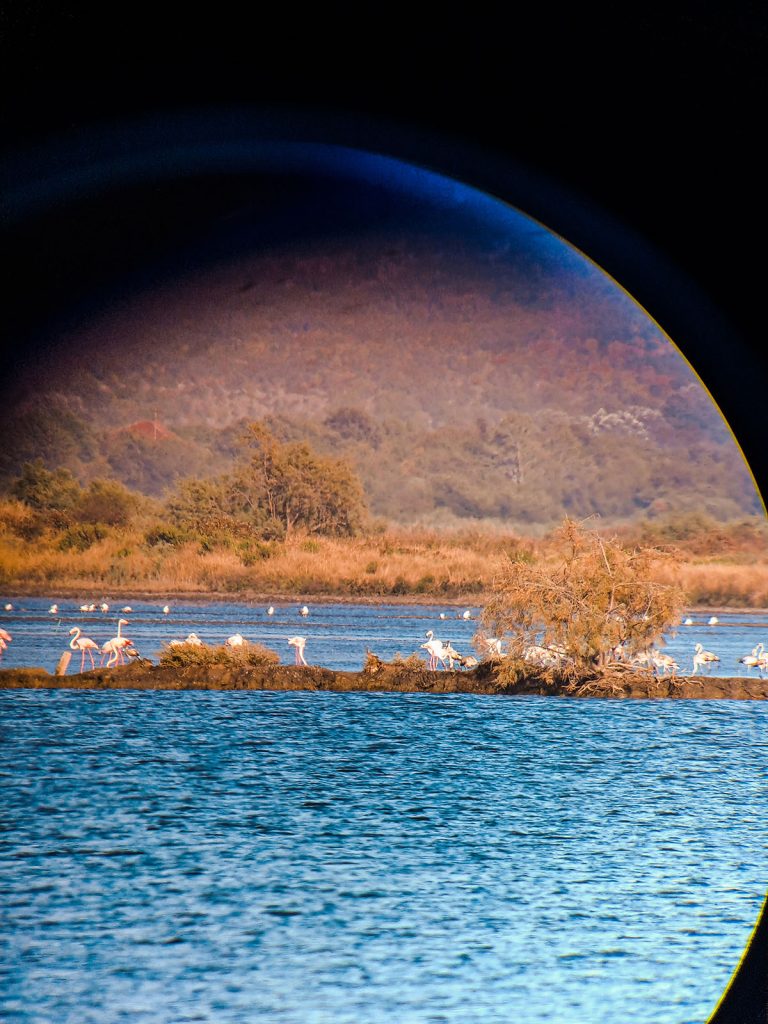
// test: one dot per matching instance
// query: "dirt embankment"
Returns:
(391, 678)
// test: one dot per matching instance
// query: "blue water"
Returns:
(337, 634)
(328, 858)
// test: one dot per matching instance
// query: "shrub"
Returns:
(202, 656)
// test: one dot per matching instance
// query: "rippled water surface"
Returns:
(337, 634)
(362, 857)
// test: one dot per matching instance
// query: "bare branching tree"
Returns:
(577, 618)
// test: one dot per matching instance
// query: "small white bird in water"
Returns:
(467, 614)
(104, 607)
(688, 622)
(236, 640)
(299, 643)
(166, 610)
(304, 611)
(126, 609)
(9, 607)
(713, 621)
(270, 610)
(54, 609)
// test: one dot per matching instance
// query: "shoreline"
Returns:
(388, 678)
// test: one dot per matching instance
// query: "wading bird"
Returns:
(452, 654)
(5, 639)
(193, 639)
(702, 657)
(662, 662)
(236, 640)
(304, 611)
(713, 621)
(755, 659)
(166, 610)
(8, 607)
(467, 614)
(126, 609)
(436, 650)
(270, 610)
(117, 643)
(84, 644)
(299, 643)
(54, 609)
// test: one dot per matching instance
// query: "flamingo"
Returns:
(54, 609)
(116, 644)
(104, 607)
(299, 642)
(8, 607)
(713, 621)
(493, 644)
(452, 654)
(688, 621)
(193, 639)
(436, 650)
(126, 609)
(270, 610)
(702, 657)
(304, 611)
(166, 609)
(5, 639)
(755, 659)
(467, 614)
(236, 640)
(84, 644)
(662, 662)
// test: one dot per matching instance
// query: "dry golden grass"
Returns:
(422, 564)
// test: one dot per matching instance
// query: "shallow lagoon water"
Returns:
(311, 858)
(337, 634)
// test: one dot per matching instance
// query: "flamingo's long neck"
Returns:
(75, 638)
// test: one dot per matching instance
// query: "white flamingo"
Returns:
(104, 607)
(193, 639)
(662, 662)
(299, 643)
(304, 611)
(166, 609)
(467, 614)
(84, 644)
(713, 621)
(54, 609)
(8, 607)
(127, 609)
(5, 639)
(702, 657)
(688, 621)
(236, 640)
(436, 650)
(116, 644)
(270, 610)
(755, 659)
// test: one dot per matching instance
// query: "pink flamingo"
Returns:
(83, 644)
(299, 642)
(115, 646)
(5, 639)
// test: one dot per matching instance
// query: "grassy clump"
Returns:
(203, 656)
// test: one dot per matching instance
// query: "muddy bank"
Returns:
(390, 678)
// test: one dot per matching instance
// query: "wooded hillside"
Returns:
(464, 383)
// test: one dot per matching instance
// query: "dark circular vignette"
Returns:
(83, 210)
